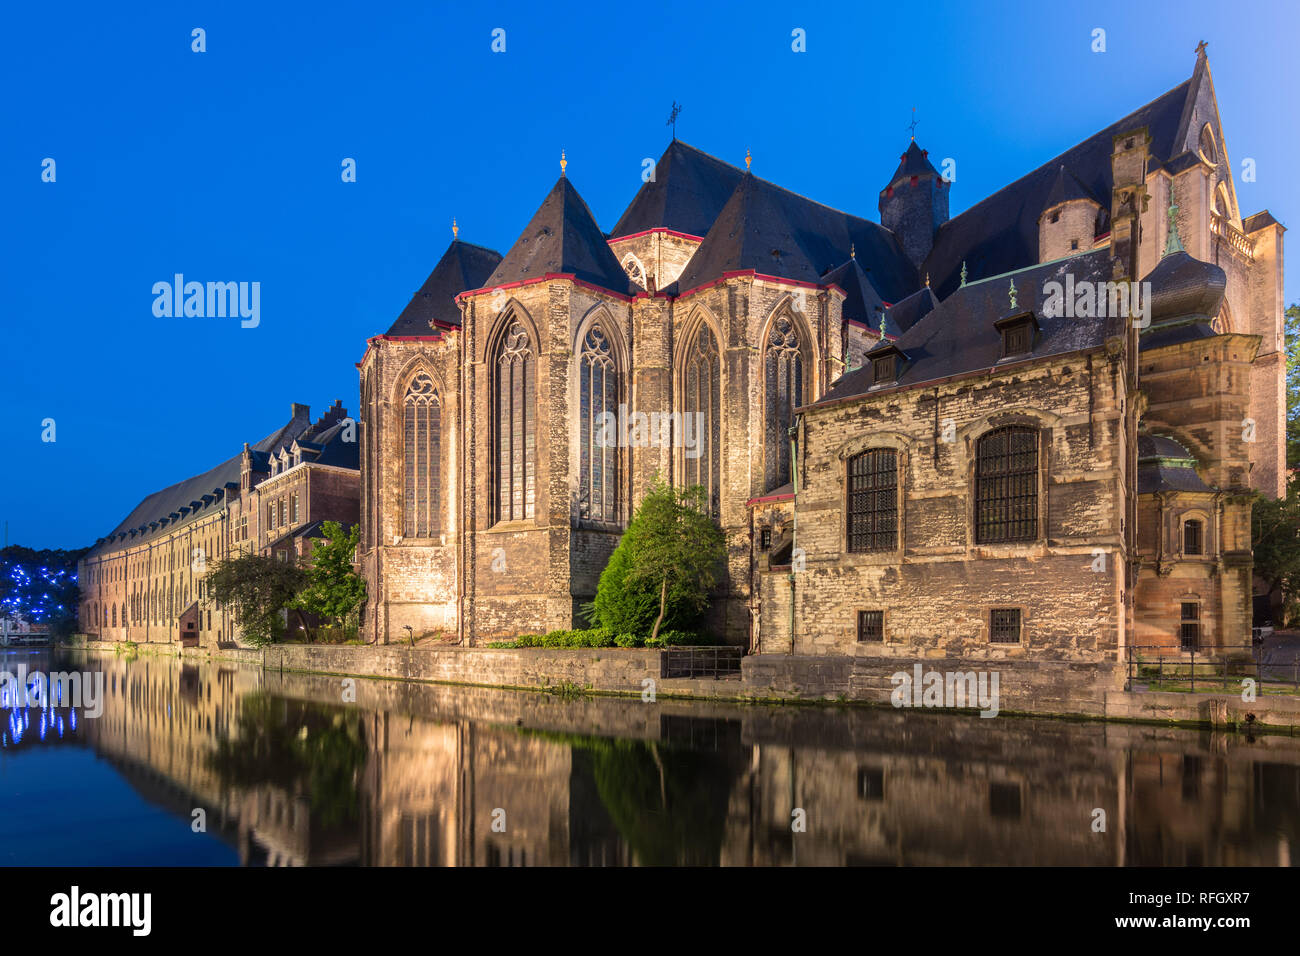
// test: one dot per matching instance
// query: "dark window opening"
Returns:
(1004, 800)
(765, 539)
(884, 369)
(871, 625)
(1190, 631)
(1006, 486)
(1193, 537)
(1017, 339)
(873, 501)
(1004, 625)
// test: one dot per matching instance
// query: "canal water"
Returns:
(219, 764)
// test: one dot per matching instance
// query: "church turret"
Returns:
(915, 203)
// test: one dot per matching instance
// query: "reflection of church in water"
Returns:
(447, 776)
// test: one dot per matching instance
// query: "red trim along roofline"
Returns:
(759, 277)
(665, 231)
(758, 501)
(550, 276)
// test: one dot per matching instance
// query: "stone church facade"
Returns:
(913, 439)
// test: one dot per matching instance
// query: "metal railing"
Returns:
(720, 663)
(1195, 668)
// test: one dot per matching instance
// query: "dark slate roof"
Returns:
(1065, 188)
(1000, 233)
(906, 313)
(1165, 465)
(861, 303)
(162, 504)
(562, 237)
(690, 188)
(330, 448)
(914, 162)
(462, 267)
(958, 335)
(779, 233)
(1258, 221)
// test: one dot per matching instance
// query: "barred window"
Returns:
(1193, 537)
(1004, 625)
(1190, 631)
(1006, 485)
(516, 425)
(422, 440)
(765, 539)
(873, 501)
(783, 368)
(702, 406)
(871, 625)
(598, 467)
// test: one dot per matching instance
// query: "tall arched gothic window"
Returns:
(422, 441)
(783, 373)
(598, 465)
(702, 402)
(516, 425)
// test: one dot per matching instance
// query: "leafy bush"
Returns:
(664, 566)
(627, 640)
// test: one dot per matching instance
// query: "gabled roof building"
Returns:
(926, 434)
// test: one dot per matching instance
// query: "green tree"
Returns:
(257, 589)
(333, 590)
(1275, 541)
(664, 566)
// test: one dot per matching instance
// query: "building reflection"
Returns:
(443, 776)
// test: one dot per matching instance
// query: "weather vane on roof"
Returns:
(672, 118)
(912, 126)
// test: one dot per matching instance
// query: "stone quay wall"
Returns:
(1054, 688)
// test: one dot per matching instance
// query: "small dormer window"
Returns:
(884, 369)
(1015, 340)
(1018, 333)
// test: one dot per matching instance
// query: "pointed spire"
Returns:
(455, 229)
(912, 127)
(1173, 243)
(882, 325)
(563, 162)
(748, 159)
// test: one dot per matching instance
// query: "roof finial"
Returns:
(882, 325)
(455, 230)
(672, 118)
(563, 162)
(853, 250)
(1200, 49)
(963, 273)
(748, 159)
(1173, 243)
(912, 127)
(927, 280)
(1012, 292)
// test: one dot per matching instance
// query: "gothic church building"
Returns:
(909, 448)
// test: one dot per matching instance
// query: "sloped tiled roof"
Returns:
(162, 504)
(959, 336)
(779, 233)
(914, 162)
(1065, 188)
(689, 189)
(562, 237)
(462, 267)
(906, 313)
(1165, 465)
(861, 303)
(1000, 233)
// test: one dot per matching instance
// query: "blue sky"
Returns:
(225, 166)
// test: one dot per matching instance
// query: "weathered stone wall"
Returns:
(937, 587)
(1071, 233)
(411, 582)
